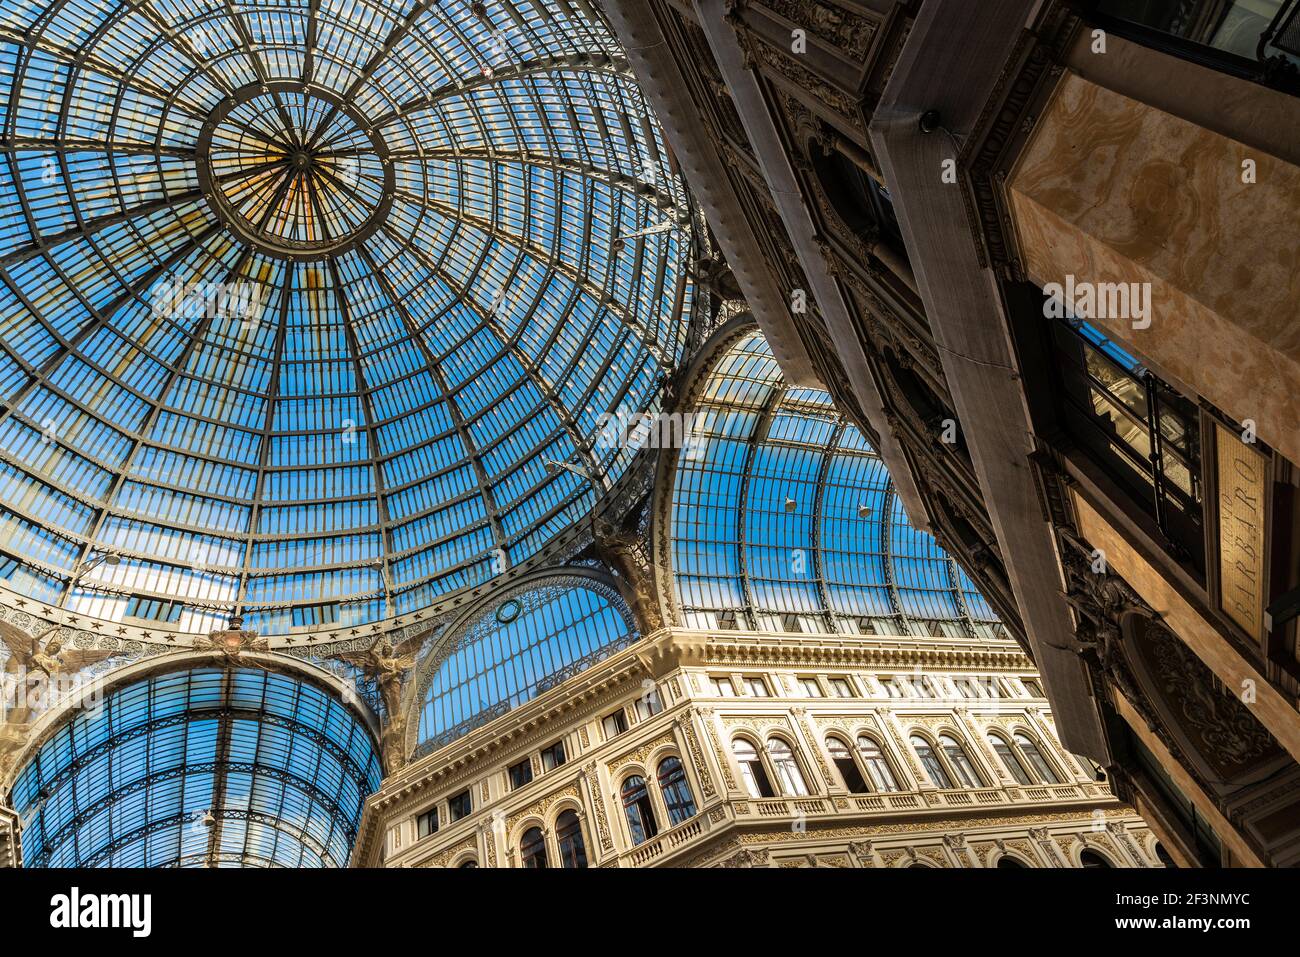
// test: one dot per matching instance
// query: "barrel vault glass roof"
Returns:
(785, 519)
(203, 768)
(529, 641)
(298, 297)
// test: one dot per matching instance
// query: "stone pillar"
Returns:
(11, 852)
(951, 62)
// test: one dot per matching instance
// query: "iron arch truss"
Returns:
(784, 518)
(298, 298)
(205, 767)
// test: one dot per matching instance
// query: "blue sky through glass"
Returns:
(785, 518)
(280, 766)
(371, 436)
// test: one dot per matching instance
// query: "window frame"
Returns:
(527, 765)
(927, 754)
(452, 816)
(1011, 760)
(548, 754)
(753, 771)
(894, 783)
(638, 798)
(574, 838)
(790, 785)
(533, 853)
(858, 784)
(967, 771)
(675, 782)
(430, 815)
(619, 717)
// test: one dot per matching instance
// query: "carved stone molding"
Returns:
(598, 805)
(749, 857)
(707, 790)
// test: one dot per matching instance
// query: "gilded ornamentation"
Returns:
(598, 805)
(638, 755)
(540, 807)
(707, 789)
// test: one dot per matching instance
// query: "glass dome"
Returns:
(211, 767)
(299, 298)
(785, 519)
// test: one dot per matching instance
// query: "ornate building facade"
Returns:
(1040, 252)
(694, 749)
(648, 432)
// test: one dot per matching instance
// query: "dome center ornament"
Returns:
(294, 170)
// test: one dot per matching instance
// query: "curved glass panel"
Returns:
(202, 768)
(530, 641)
(297, 299)
(785, 519)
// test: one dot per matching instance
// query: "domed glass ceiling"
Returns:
(299, 297)
(785, 519)
(206, 768)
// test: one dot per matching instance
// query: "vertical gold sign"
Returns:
(1242, 475)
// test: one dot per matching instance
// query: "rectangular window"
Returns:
(614, 724)
(314, 615)
(921, 686)
(1136, 428)
(842, 688)
(427, 823)
(553, 756)
(521, 773)
(649, 704)
(722, 687)
(152, 609)
(1032, 687)
(1232, 28)
(966, 687)
(810, 688)
(756, 687)
(460, 806)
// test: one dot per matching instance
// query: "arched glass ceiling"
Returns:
(526, 643)
(297, 297)
(784, 518)
(203, 768)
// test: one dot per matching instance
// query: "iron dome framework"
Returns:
(297, 299)
(211, 767)
(785, 519)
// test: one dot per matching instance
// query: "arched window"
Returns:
(1011, 863)
(1163, 856)
(848, 768)
(751, 769)
(930, 761)
(960, 762)
(532, 849)
(1037, 761)
(568, 835)
(508, 653)
(786, 767)
(877, 765)
(640, 812)
(468, 863)
(676, 791)
(1007, 755)
(1093, 859)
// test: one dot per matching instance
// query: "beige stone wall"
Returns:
(1042, 825)
(1111, 190)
